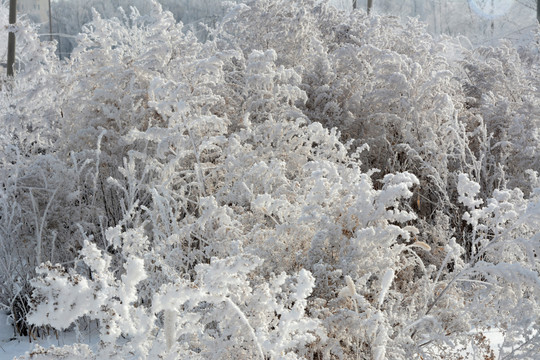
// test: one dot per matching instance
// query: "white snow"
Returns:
(12, 346)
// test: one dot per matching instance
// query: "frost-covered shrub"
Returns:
(69, 16)
(421, 105)
(307, 184)
(202, 318)
(29, 124)
(381, 82)
(29, 177)
(503, 91)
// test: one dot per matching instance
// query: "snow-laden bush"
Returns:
(306, 184)
(502, 93)
(29, 204)
(435, 108)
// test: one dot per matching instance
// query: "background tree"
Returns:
(4, 18)
(11, 37)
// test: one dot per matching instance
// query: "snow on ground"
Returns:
(12, 346)
(476, 348)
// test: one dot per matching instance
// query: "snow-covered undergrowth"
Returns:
(306, 184)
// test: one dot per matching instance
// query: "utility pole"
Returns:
(50, 20)
(11, 37)
(370, 5)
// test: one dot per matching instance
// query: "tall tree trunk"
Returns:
(50, 21)
(538, 10)
(354, 4)
(492, 20)
(370, 5)
(11, 37)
